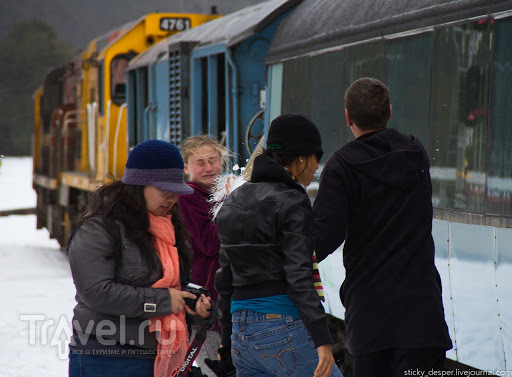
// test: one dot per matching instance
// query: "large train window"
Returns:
(458, 113)
(368, 60)
(296, 85)
(499, 181)
(408, 78)
(118, 67)
(327, 109)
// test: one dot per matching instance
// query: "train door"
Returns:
(209, 87)
(151, 105)
(156, 112)
(131, 111)
(228, 85)
(115, 137)
(137, 100)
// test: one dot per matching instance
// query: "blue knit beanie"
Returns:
(156, 163)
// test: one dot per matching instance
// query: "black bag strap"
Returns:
(193, 351)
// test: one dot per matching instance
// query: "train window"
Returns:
(327, 109)
(221, 96)
(118, 67)
(276, 88)
(499, 181)
(296, 86)
(408, 79)
(458, 113)
(368, 60)
(142, 101)
(204, 97)
(132, 108)
(101, 90)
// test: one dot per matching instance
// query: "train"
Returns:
(80, 127)
(447, 64)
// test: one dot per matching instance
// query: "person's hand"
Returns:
(224, 366)
(203, 307)
(178, 299)
(325, 362)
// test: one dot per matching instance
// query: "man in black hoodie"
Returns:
(375, 194)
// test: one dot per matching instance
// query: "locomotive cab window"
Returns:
(118, 78)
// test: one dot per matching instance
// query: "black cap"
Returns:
(294, 135)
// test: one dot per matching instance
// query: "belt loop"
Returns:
(289, 319)
(242, 320)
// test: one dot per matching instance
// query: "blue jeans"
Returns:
(83, 365)
(272, 345)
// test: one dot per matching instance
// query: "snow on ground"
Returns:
(36, 288)
(16, 183)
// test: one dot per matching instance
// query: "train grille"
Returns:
(175, 111)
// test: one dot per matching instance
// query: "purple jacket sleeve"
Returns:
(196, 213)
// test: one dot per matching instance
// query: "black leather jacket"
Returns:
(265, 228)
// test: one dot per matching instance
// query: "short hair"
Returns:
(367, 103)
(193, 143)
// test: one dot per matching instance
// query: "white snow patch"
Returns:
(35, 284)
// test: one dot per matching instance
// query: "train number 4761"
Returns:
(174, 24)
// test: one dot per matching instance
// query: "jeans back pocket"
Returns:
(279, 357)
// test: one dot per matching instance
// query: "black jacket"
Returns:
(109, 287)
(265, 228)
(375, 194)
(114, 296)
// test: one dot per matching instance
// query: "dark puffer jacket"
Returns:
(265, 228)
(114, 291)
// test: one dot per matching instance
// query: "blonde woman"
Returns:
(204, 158)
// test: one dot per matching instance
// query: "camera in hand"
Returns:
(197, 290)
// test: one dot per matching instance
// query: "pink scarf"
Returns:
(173, 337)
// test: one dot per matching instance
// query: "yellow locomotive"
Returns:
(80, 132)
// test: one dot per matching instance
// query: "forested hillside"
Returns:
(27, 51)
(78, 21)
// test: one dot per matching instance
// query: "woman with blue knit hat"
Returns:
(130, 258)
(272, 318)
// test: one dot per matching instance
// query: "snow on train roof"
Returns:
(317, 25)
(230, 29)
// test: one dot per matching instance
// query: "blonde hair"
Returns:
(192, 144)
